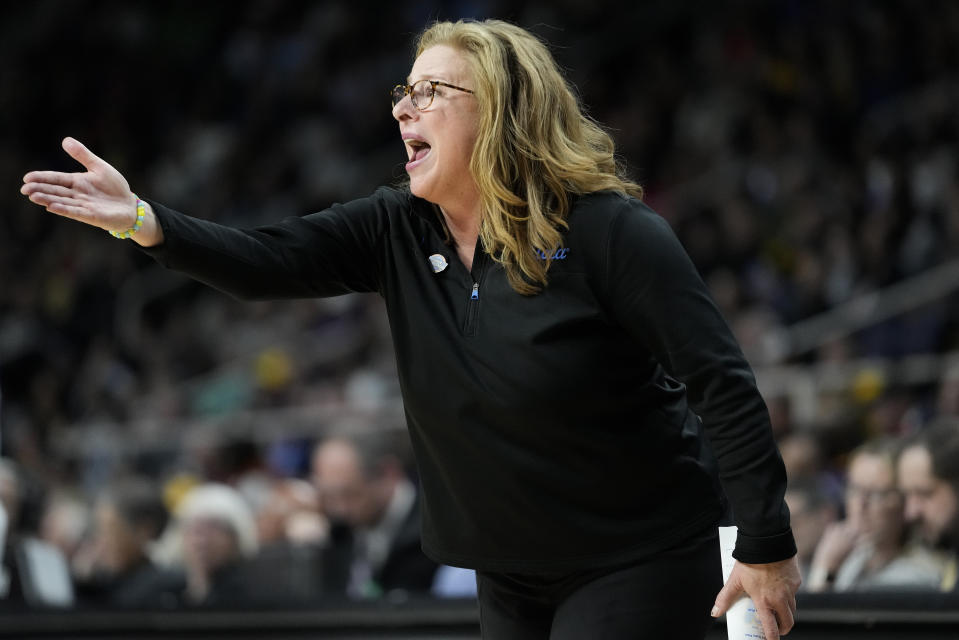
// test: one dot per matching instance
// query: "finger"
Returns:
(728, 595)
(785, 617)
(81, 154)
(46, 200)
(49, 177)
(50, 189)
(68, 210)
(770, 627)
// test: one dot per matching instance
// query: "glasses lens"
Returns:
(422, 94)
(397, 94)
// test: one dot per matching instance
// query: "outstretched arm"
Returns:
(100, 196)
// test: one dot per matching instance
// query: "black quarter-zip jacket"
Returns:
(553, 432)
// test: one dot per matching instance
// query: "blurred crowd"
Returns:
(231, 535)
(164, 443)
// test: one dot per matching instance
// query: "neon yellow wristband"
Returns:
(141, 211)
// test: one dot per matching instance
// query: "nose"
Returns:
(404, 109)
(856, 512)
(857, 501)
(912, 511)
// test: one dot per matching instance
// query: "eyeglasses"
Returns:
(871, 496)
(421, 92)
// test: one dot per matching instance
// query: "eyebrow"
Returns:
(428, 77)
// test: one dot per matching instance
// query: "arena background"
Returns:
(805, 153)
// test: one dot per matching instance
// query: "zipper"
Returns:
(477, 273)
(470, 328)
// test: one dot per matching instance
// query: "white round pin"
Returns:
(438, 262)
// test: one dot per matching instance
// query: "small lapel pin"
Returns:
(438, 262)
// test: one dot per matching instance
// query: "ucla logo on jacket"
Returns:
(559, 254)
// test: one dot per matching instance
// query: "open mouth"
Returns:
(418, 150)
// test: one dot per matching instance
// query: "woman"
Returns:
(549, 331)
(869, 549)
(218, 534)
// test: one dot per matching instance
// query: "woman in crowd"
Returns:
(218, 535)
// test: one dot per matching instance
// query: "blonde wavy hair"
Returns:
(535, 146)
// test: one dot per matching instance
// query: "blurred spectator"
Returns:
(9, 495)
(10, 591)
(292, 533)
(33, 573)
(929, 480)
(231, 460)
(374, 513)
(869, 549)
(291, 514)
(66, 523)
(218, 538)
(116, 568)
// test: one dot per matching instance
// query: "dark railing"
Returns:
(875, 616)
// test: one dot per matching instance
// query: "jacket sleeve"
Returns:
(335, 251)
(658, 295)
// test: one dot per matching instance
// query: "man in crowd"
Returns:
(374, 512)
(929, 481)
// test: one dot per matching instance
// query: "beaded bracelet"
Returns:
(141, 211)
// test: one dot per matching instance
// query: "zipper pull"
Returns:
(475, 294)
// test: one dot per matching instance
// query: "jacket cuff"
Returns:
(764, 549)
(158, 252)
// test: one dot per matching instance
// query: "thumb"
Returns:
(728, 596)
(81, 154)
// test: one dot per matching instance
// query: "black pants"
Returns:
(666, 596)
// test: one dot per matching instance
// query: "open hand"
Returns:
(100, 196)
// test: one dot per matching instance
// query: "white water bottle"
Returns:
(742, 619)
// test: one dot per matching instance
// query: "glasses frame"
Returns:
(407, 90)
(875, 497)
